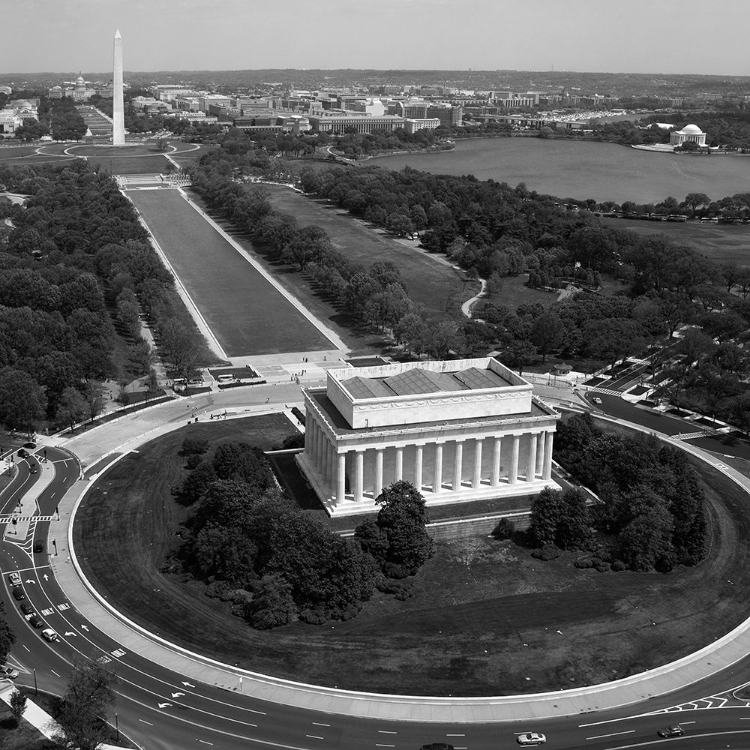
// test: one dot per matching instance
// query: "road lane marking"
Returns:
(376, 745)
(206, 742)
(314, 737)
(455, 735)
(54, 673)
(146, 722)
(386, 731)
(614, 734)
(317, 724)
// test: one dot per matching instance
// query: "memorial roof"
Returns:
(419, 380)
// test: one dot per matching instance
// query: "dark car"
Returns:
(674, 730)
(437, 746)
(36, 621)
(27, 609)
(31, 446)
(22, 453)
(18, 593)
(33, 468)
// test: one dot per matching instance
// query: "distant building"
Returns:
(689, 134)
(339, 123)
(411, 126)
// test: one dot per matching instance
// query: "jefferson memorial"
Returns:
(458, 430)
(690, 133)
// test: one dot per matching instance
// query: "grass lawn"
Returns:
(247, 315)
(429, 280)
(719, 242)
(507, 622)
(514, 292)
(11, 153)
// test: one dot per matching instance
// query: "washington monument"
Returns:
(118, 119)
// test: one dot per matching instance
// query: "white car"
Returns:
(531, 738)
(596, 400)
(15, 579)
(8, 673)
(49, 635)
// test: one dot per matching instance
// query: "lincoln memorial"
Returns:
(459, 430)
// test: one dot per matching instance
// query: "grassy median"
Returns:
(486, 618)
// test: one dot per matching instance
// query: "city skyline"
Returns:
(663, 37)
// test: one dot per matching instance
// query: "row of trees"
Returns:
(252, 545)
(77, 271)
(649, 512)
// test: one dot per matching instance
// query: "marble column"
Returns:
(359, 473)
(340, 478)
(540, 447)
(548, 455)
(513, 472)
(437, 482)
(531, 460)
(418, 467)
(477, 481)
(458, 465)
(399, 463)
(378, 471)
(496, 453)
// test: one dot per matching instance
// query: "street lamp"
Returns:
(36, 689)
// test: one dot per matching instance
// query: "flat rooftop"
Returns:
(419, 380)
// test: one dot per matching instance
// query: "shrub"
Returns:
(584, 563)
(505, 529)
(618, 566)
(217, 589)
(603, 567)
(193, 460)
(546, 553)
(397, 570)
(314, 616)
(401, 590)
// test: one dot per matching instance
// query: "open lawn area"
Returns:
(719, 242)
(514, 292)
(246, 314)
(187, 154)
(430, 280)
(486, 617)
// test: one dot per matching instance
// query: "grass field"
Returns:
(247, 315)
(719, 242)
(431, 281)
(486, 618)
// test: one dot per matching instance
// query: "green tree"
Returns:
(546, 511)
(88, 699)
(402, 518)
(17, 704)
(22, 400)
(646, 542)
(272, 604)
(547, 333)
(72, 408)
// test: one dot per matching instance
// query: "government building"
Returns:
(459, 431)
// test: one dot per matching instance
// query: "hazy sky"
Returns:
(618, 36)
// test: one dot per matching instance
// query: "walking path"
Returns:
(118, 440)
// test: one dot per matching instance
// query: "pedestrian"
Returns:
(267, 400)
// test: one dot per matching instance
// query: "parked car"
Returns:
(49, 635)
(39, 546)
(675, 730)
(8, 673)
(18, 594)
(437, 746)
(31, 446)
(27, 609)
(596, 400)
(531, 738)
(14, 578)
(22, 453)
(35, 621)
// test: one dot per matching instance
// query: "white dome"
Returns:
(691, 129)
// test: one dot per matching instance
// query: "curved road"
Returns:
(160, 708)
